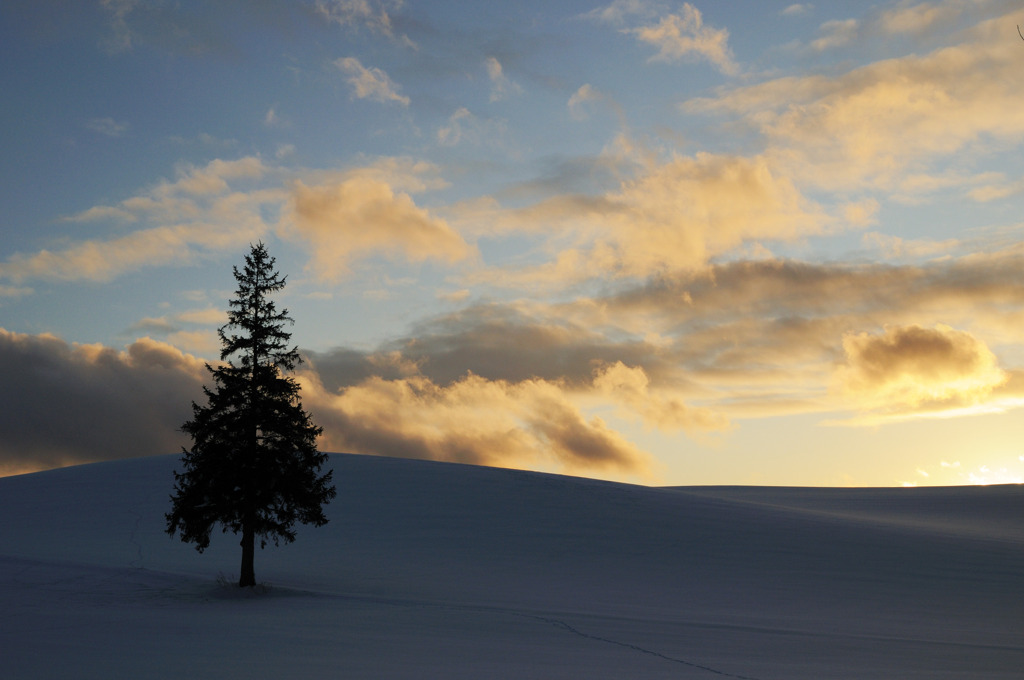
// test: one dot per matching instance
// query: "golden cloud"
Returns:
(196, 212)
(867, 127)
(361, 214)
(173, 329)
(370, 83)
(102, 213)
(894, 247)
(677, 36)
(907, 18)
(81, 403)
(836, 33)
(754, 338)
(681, 213)
(102, 260)
(471, 420)
(910, 367)
(207, 316)
(685, 211)
(630, 386)
(105, 260)
(674, 216)
(213, 177)
(341, 216)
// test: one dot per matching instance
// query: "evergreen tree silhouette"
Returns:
(253, 466)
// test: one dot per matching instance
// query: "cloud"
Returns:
(684, 35)
(910, 367)
(274, 119)
(681, 213)
(107, 126)
(501, 86)
(451, 134)
(797, 9)
(620, 10)
(520, 383)
(895, 247)
(225, 205)
(472, 420)
(348, 12)
(914, 188)
(195, 214)
(82, 403)
(153, 325)
(372, 14)
(362, 213)
(676, 35)
(997, 191)
(206, 316)
(370, 83)
(121, 37)
(179, 329)
(874, 126)
(182, 28)
(201, 342)
(674, 215)
(105, 260)
(455, 296)
(761, 338)
(836, 33)
(907, 17)
(205, 139)
(507, 345)
(586, 93)
(14, 291)
(465, 127)
(102, 213)
(630, 386)
(499, 361)
(510, 342)
(213, 177)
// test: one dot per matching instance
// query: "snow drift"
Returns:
(434, 570)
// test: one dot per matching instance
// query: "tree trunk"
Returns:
(247, 579)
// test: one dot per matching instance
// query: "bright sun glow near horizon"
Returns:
(661, 242)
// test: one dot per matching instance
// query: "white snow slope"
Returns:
(432, 570)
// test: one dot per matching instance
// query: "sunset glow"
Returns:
(658, 242)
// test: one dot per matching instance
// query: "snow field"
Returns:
(431, 570)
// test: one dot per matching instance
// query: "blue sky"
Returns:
(665, 242)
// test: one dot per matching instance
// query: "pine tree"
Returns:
(253, 466)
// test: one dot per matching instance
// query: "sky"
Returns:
(667, 243)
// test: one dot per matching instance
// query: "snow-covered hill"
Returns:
(432, 570)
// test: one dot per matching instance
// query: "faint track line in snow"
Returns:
(545, 619)
(575, 631)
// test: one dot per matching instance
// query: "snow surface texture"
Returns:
(433, 570)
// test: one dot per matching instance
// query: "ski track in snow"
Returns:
(556, 622)
(28, 577)
(575, 631)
